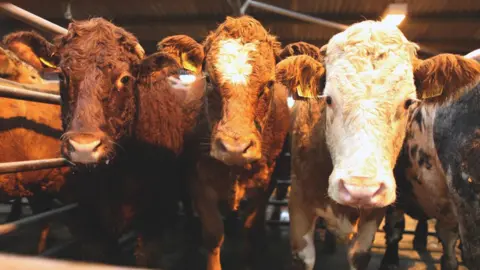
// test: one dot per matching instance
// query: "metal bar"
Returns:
(474, 54)
(293, 14)
(28, 95)
(31, 19)
(32, 165)
(53, 251)
(12, 226)
(22, 262)
(278, 202)
(50, 87)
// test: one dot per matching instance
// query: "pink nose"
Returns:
(238, 147)
(359, 195)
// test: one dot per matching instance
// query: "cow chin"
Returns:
(360, 191)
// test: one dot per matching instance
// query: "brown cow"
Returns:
(242, 131)
(30, 130)
(301, 48)
(345, 144)
(124, 125)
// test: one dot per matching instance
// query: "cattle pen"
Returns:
(61, 254)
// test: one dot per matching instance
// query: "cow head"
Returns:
(98, 63)
(369, 87)
(240, 61)
(301, 48)
(24, 56)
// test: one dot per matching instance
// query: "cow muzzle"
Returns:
(85, 148)
(236, 151)
(363, 192)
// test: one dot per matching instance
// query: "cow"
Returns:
(124, 118)
(301, 48)
(240, 133)
(30, 130)
(345, 143)
(437, 173)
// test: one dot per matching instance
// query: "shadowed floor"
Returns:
(277, 253)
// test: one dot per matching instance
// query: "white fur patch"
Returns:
(307, 254)
(233, 60)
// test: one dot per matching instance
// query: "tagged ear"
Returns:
(185, 50)
(302, 75)
(445, 77)
(32, 48)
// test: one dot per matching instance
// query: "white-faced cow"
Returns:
(242, 132)
(345, 144)
(437, 169)
(124, 124)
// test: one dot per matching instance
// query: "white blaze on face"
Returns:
(369, 79)
(233, 61)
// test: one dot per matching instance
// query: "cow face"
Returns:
(25, 55)
(240, 61)
(369, 88)
(98, 63)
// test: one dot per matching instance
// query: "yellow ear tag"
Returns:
(434, 93)
(46, 63)
(304, 94)
(187, 64)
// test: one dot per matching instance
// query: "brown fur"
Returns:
(301, 48)
(231, 111)
(29, 45)
(179, 44)
(454, 74)
(142, 125)
(303, 71)
(29, 130)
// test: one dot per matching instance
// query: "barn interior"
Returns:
(437, 26)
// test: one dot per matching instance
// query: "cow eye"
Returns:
(125, 79)
(408, 103)
(328, 99)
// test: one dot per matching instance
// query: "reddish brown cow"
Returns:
(124, 128)
(301, 48)
(243, 129)
(30, 130)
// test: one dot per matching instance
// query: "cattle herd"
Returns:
(375, 133)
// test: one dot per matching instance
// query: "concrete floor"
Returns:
(277, 254)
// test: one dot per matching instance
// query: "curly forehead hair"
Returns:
(97, 40)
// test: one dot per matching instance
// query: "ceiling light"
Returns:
(395, 13)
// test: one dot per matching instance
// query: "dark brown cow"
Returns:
(29, 130)
(242, 130)
(124, 128)
(437, 168)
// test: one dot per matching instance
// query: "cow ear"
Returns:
(444, 77)
(33, 49)
(185, 49)
(302, 75)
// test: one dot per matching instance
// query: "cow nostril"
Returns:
(249, 145)
(220, 145)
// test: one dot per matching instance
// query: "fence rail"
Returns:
(15, 92)
(32, 165)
